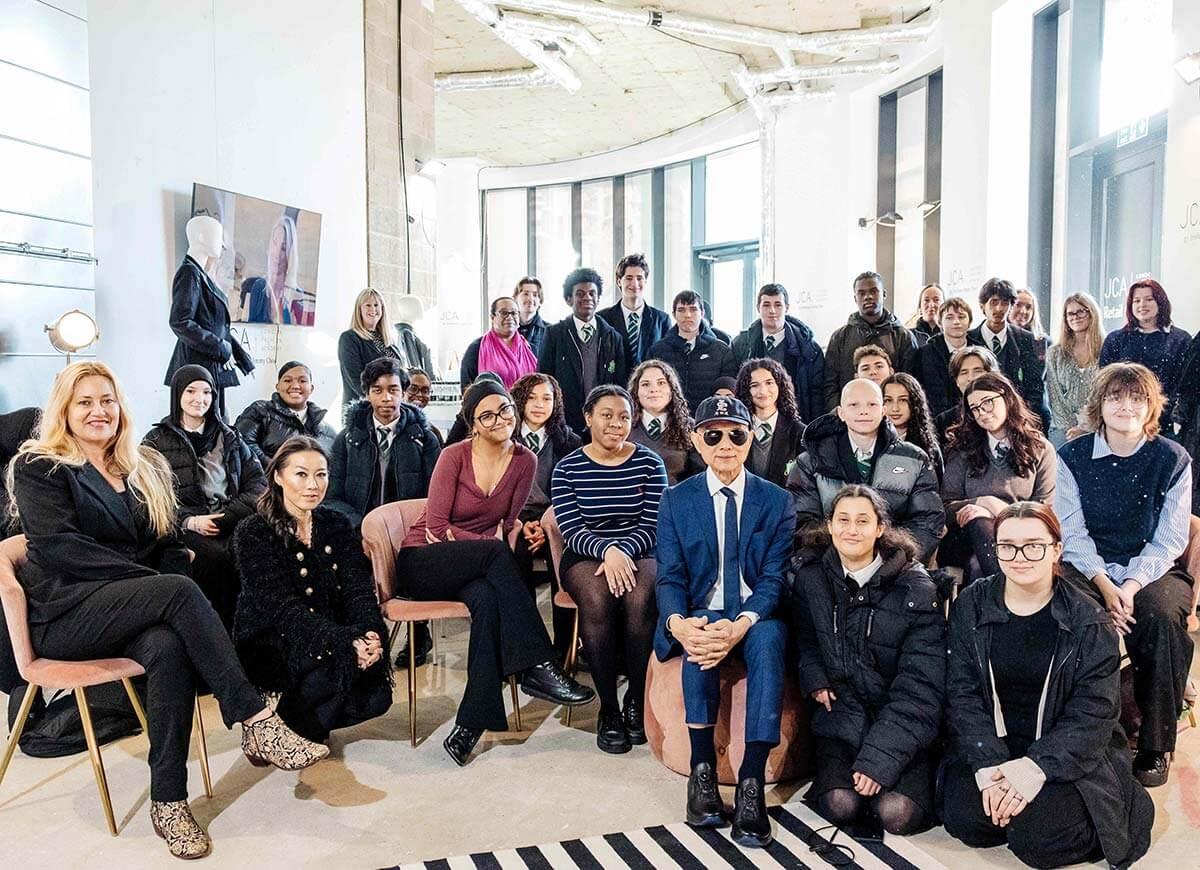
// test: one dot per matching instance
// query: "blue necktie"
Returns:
(732, 575)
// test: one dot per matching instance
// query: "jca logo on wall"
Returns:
(1189, 224)
(1112, 299)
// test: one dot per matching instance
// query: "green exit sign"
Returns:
(1133, 132)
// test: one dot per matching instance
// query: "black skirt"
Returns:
(835, 762)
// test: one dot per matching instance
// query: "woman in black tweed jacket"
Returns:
(308, 623)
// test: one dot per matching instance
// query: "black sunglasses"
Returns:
(712, 437)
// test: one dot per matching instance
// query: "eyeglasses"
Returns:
(712, 437)
(1136, 399)
(984, 407)
(488, 418)
(1078, 315)
(506, 314)
(1031, 552)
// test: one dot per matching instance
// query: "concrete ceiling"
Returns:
(643, 83)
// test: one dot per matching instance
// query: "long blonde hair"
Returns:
(1095, 331)
(145, 470)
(383, 330)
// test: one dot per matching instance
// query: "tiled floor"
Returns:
(378, 802)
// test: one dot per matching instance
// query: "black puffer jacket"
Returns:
(803, 361)
(1081, 739)
(902, 474)
(267, 423)
(881, 649)
(354, 468)
(889, 333)
(710, 359)
(300, 605)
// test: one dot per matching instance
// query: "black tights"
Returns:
(609, 625)
(899, 814)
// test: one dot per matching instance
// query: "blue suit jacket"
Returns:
(687, 550)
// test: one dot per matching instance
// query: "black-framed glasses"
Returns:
(984, 407)
(488, 418)
(505, 313)
(712, 437)
(1035, 551)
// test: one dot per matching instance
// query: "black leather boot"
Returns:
(704, 806)
(550, 682)
(635, 725)
(459, 743)
(751, 824)
(424, 647)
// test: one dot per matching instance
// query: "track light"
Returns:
(887, 219)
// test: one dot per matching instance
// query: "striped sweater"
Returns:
(598, 506)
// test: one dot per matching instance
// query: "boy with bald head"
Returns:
(856, 444)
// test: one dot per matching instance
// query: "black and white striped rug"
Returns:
(664, 847)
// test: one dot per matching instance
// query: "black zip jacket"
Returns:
(267, 423)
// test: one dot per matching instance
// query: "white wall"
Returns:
(1181, 185)
(264, 98)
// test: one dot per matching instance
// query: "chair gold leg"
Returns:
(85, 715)
(202, 750)
(19, 726)
(434, 631)
(412, 687)
(391, 640)
(512, 684)
(136, 703)
(572, 653)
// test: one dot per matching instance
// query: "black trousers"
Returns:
(315, 705)
(1160, 651)
(1054, 830)
(977, 538)
(215, 573)
(507, 634)
(165, 624)
(563, 618)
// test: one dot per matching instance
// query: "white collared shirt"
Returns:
(640, 311)
(994, 442)
(661, 418)
(580, 324)
(770, 421)
(540, 433)
(860, 453)
(716, 598)
(391, 427)
(988, 335)
(778, 336)
(863, 575)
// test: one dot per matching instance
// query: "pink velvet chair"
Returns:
(75, 675)
(384, 530)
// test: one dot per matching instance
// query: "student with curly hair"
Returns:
(661, 419)
(765, 388)
(905, 404)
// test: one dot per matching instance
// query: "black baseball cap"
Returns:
(722, 409)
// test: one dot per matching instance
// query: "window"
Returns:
(676, 269)
(639, 226)
(507, 234)
(733, 211)
(556, 255)
(1134, 82)
(597, 226)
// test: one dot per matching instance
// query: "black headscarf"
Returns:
(205, 440)
(476, 393)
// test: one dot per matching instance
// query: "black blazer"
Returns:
(200, 321)
(82, 535)
(1023, 361)
(654, 327)
(560, 357)
(354, 352)
(787, 442)
(930, 365)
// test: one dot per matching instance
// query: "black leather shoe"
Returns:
(751, 825)
(704, 806)
(459, 743)
(611, 735)
(550, 682)
(635, 725)
(1152, 768)
(424, 646)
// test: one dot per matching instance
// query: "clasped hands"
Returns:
(535, 535)
(369, 649)
(708, 643)
(1001, 801)
(204, 524)
(1118, 600)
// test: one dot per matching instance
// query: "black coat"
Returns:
(803, 361)
(787, 441)
(354, 468)
(16, 427)
(82, 535)
(881, 649)
(560, 357)
(653, 327)
(710, 359)
(302, 604)
(923, 332)
(354, 352)
(200, 321)
(534, 332)
(1023, 361)
(903, 474)
(244, 481)
(1187, 412)
(889, 333)
(930, 365)
(1082, 741)
(267, 423)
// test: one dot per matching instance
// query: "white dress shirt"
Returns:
(580, 324)
(540, 433)
(716, 597)
(988, 335)
(661, 418)
(391, 427)
(862, 576)
(771, 421)
(640, 311)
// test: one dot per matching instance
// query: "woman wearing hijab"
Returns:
(217, 482)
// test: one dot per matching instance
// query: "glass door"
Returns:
(728, 276)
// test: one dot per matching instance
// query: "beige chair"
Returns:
(562, 598)
(384, 530)
(74, 675)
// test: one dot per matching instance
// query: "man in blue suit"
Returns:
(724, 538)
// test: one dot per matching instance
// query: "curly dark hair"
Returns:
(270, 503)
(786, 404)
(678, 431)
(556, 427)
(893, 539)
(921, 430)
(1025, 440)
